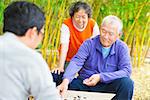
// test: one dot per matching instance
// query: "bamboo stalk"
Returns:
(55, 41)
(143, 38)
(46, 37)
(136, 18)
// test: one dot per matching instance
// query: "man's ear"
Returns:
(31, 32)
(120, 34)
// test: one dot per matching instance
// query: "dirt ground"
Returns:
(141, 77)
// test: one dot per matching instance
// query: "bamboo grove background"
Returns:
(135, 15)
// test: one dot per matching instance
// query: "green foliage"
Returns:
(1, 15)
(135, 15)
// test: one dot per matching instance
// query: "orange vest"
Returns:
(77, 37)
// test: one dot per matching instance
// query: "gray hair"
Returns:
(114, 21)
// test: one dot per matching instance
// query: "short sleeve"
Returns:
(95, 30)
(65, 34)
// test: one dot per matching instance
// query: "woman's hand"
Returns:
(58, 70)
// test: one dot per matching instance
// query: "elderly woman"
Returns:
(76, 29)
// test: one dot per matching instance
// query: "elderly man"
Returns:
(103, 64)
(23, 71)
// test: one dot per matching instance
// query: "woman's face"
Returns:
(80, 19)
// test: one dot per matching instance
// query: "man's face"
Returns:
(80, 19)
(108, 35)
(37, 38)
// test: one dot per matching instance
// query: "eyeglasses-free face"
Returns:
(108, 35)
(80, 19)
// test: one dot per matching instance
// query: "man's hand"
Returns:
(63, 87)
(92, 81)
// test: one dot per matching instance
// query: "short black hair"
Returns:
(19, 16)
(76, 6)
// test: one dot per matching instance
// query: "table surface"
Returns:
(84, 95)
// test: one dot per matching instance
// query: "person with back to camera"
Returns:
(103, 64)
(76, 29)
(23, 71)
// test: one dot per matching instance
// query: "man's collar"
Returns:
(98, 44)
(112, 51)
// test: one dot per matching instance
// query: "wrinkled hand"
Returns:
(92, 81)
(58, 69)
(63, 87)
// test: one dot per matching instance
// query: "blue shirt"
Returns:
(105, 51)
(89, 60)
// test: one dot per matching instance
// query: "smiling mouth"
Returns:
(81, 25)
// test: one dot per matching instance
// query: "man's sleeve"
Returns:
(77, 61)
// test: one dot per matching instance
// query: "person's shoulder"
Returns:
(36, 55)
(35, 59)
(67, 20)
(121, 44)
(93, 40)
(32, 54)
(1, 39)
(92, 20)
